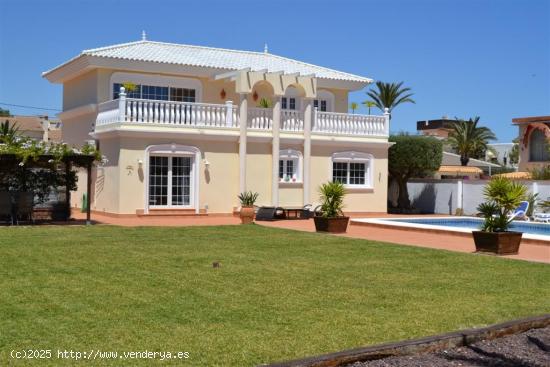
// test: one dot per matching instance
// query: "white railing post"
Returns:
(122, 104)
(229, 113)
(387, 116)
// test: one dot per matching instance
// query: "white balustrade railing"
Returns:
(186, 114)
(107, 113)
(260, 118)
(180, 113)
(292, 120)
(344, 123)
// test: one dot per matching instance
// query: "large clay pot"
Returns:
(331, 225)
(247, 214)
(500, 243)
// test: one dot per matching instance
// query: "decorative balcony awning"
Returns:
(245, 79)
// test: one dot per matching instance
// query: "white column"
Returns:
(387, 116)
(459, 194)
(275, 151)
(308, 120)
(243, 112)
(122, 105)
(229, 113)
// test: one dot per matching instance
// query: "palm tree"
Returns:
(369, 104)
(8, 132)
(353, 106)
(468, 139)
(390, 95)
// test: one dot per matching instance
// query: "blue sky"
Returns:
(461, 58)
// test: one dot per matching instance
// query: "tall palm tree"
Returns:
(369, 104)
(353, 106)
(390, 95)
(468, 139)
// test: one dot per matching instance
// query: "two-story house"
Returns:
(198, 125)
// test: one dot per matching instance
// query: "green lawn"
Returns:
(278, 295)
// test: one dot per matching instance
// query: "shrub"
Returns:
(503, 196)
(248, 198)
(332, 199)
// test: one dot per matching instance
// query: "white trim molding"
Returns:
(355, 157)
(174, 150)
(298, 159)
(157, 80)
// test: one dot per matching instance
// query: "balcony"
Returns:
(152, 113)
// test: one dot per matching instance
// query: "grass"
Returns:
(278, 294)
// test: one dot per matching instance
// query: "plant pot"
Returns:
(331, 225)
(500, 243)
(247, 214)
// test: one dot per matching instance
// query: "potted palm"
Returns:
(330, 217)
(503, 196)
(247, 200)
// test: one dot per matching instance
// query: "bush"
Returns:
(332, 199)
(503, 196)
(248, 198)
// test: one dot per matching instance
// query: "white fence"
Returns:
(446, 196)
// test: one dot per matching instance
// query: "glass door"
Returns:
(170, 183)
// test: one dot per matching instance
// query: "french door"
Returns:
(170, 181)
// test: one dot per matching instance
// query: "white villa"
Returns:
(192, 133)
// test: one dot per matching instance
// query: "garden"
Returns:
(242, 295)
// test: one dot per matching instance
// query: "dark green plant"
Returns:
(540, 173)
(533, 200)
(4, 113)
(8, 132)
(468, 139)
(502, 197)
(412, 156)
(248, 198)
(264, 103)
(513, 156)
(332, 199)
(390, 95)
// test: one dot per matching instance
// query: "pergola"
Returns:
(9, 161)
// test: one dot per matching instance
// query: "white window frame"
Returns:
(325, 95)
(174, 150)
(296, 157)
(355, 157)
(158, 81)
(292, 92)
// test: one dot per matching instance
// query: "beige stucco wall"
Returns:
(356, 200)
(123, 191)
(119, 186)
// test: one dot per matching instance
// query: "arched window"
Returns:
(290, 165)
(538, 146)
(353, 169)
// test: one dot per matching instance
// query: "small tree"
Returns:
(503, 196)
(513, 156)
(412, 156)
(4, 113)
(369, 104)
(353, 106)
(390, 95)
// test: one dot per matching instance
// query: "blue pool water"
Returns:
(475, 223)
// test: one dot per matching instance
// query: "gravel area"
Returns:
(528, 349)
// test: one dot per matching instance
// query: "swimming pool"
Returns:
(533, 230)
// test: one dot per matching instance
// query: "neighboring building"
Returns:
(534, 133)
(451, 160)
(192, 135)
(500, 154)
(36, 127)
(438, 128)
